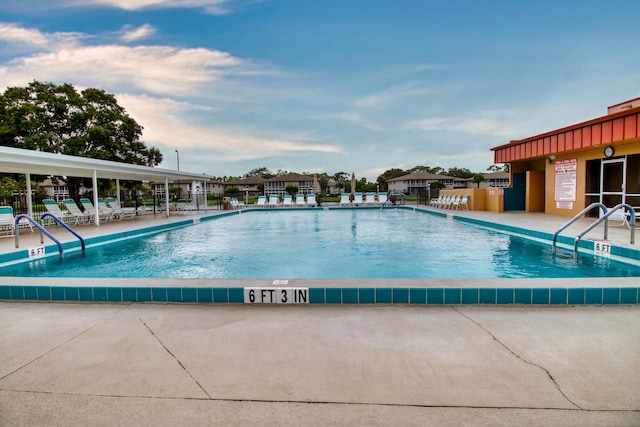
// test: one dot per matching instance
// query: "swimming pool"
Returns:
(312, 243)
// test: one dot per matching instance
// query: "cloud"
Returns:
(215, 7)
(30, 38)
(150, 81)
(134, 34)
(493, 123)
(158, 69)
(355, 119)
(11, 33)
(390, 96)
(167, 123)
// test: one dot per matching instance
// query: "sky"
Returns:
(313, 86)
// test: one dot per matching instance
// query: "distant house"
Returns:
(333, 187)
(420, 182)
(248, 186)
(189, 189)
(497, 179)
(279, 184)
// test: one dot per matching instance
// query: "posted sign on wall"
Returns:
(565, 179)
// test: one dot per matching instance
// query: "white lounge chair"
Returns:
(181, 205)
(6, 221)
(300, 199)
(382, 198)
(262, 201)
(287, 200)
(623, 216)
(357, 199)
(370, 199)
(107, 211)
(464, 202)
(435, 202)
(455, 202)
(118, 210)
(311, 200)
(344, 199)
(274, 200)
(89, 208)
(71, 206)
(235, 204)
(65, 216)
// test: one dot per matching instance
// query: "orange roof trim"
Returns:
(615, 127)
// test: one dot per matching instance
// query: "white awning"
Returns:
(16, 160)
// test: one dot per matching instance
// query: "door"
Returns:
(515, 197)
(612, 183)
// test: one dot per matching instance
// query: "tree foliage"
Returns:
(426, 169)
(387, 175)
(499, 168)
(478, 178)
(59, 119)
(262, 172)
(460, 172)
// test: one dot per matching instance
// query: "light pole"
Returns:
(178, 159)
(246, 194)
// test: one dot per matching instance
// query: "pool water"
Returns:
(341, 244)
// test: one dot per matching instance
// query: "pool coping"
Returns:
(463, 291)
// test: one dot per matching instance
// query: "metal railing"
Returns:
(39, 227)
(577, 217)
(605, 218)
(606, 213)
(44, 231)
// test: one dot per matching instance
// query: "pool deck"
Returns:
(135, 364)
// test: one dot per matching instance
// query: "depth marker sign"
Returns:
(276, 295)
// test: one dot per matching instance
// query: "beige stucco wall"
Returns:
(535, 191)
(621, 149)
(478, 197)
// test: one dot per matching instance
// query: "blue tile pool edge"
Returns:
(537, 296)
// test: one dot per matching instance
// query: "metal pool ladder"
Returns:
(605, 217)
(43, 231)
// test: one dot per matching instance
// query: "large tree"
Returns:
(387, 175)
(59, 119)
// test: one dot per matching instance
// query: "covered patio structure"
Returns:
(28, 162)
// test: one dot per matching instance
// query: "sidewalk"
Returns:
(167, 365)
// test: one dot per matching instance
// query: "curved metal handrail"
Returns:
(401, 202)
(39, 227)
(62, 223)
(577, 217)
(605, 218)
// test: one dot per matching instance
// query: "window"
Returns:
(592, 176)
(633, 174)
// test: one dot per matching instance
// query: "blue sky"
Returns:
(332, 86)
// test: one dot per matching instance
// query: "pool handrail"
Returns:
(63, 224)
(39, 227)
(400, 202)
(605, 218)
(577, 217)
